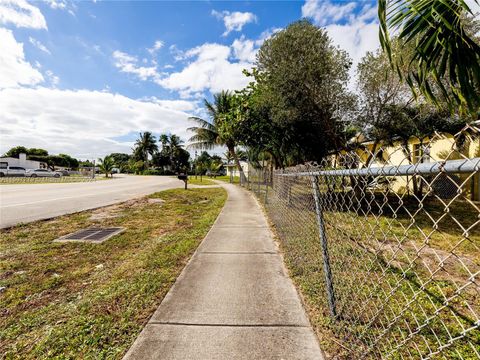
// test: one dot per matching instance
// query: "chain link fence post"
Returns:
(324, 243)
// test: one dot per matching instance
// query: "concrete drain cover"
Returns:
(94, 235)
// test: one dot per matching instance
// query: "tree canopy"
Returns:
(302, 88)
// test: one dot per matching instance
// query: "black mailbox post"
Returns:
(184, 178)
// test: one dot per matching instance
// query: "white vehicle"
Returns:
(12, 171)
(42, 173)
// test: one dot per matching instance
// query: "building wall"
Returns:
(441, 148)
(23, 162)
(234, 169)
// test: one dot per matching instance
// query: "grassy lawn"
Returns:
(204, 181)
(226, 178)
(78, 300)
(381, 260)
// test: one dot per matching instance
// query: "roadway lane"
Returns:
(30, 202)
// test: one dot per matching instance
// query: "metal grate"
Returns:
(93, 235)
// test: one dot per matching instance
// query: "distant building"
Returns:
(232, 169)
(22, 162)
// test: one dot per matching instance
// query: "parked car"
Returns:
(42, 173)
(63, 172)
(12, 171)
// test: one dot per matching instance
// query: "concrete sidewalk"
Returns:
(233, 300)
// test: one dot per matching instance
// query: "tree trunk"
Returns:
(237, 162)
(372, 153)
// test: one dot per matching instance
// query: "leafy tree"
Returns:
(144, 146)
(106, 165)
(15, 151)
(67, 161)
(121, 160)
(446, 55)
(301, 81)
(215, 166)
(172, 154)
(224, 127)
(37, 152)
(379, 89)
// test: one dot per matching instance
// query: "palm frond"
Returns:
(446, 60)
(203, 123)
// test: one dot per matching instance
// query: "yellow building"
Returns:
(429, 150)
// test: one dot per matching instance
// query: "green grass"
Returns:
(369, 276)
(226, 178)
(78, 300)
(204, 181)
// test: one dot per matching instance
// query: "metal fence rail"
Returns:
(385, 243)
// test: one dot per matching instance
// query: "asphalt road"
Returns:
(29, 202)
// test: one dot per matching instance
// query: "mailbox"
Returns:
(184, 178)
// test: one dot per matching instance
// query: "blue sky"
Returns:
(85, 77)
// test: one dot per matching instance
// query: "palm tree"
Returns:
(446, 58)
(208, 134)
(163, 139)
(228, 157)
(175, 146)
(145, 145)
(106, 165)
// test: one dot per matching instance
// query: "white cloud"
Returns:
(82, 123)
(128, 64)
(244, 49)
(14, 70)
(57, 4)
(156, 46)
(179, 105)
(234, 21)
(325, 12)
(21, 14)
(38, 45)
(266, 34)
(54, 80)
(68, 6)
(210, 70)
(353, 29)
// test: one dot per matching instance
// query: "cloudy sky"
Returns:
(84, 78)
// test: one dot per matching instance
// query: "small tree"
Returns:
(106, 165)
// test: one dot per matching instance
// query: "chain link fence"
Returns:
(385, 242)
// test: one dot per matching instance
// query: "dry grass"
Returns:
(80, 300)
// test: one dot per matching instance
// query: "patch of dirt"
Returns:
(430, 258)
(114, 211)
(155, 201)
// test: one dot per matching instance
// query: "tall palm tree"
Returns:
(175, 146)
(145, 145)
(208, 134)
(446, 56)
(163, 139)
